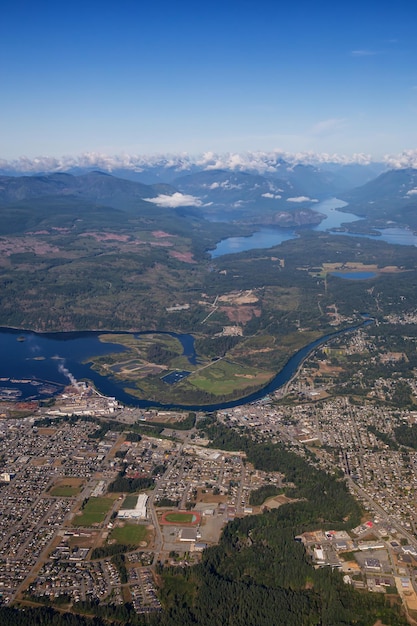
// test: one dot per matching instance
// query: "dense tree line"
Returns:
(111, 550)
(216, 346)
(384, 437)
(167, 502)
(118, 561)
(129, 485)
(407, 435)
(259, 496)
(156, 353)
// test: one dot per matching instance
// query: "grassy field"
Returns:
(141, 342)
(67, 487)
(94, 512)
(224, 377)
(181, 518)
(131, 534)
(129, 502)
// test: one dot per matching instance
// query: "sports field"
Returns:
(131, 534)
(181, 518)
(94, 512)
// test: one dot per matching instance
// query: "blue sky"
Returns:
(134, 77)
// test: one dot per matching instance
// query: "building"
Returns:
(188, 534)
(139, 512)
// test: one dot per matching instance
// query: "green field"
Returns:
(224, 377)
(130, 534)
(129, 502)
(179, 518)
(94, 512)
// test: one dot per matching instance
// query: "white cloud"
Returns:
(226, 184)
(408, 158)
(412, 192)
(301, 199)
(261, 162)
(177, 199)
(272, 196)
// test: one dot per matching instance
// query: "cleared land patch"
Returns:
(67, 487)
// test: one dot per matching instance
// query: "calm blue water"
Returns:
(354, 275)
(269, 237)
(334, 218)
(262, 238)
(399, 236)
(53, 358)
(49, 360)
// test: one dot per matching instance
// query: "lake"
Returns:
(269, 237)
(397, 236)
(262, 238)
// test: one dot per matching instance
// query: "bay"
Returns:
(52, 359)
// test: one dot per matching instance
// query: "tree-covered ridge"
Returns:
(323, 497)
(259, 574)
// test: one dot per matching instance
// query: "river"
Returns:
(40, 365)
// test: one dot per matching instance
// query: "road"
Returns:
(384, 515)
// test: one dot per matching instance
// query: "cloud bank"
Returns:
(405, 159)
(260, 162)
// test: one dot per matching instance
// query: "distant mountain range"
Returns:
(270, 190)
(392, 196)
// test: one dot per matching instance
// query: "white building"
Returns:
(139, 512)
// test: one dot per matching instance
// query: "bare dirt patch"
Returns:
(26, 244)
(47, 431)
(275, 502)
(159, 234)
(186, 257)
(325, 368)
(241, 314)
(38, 462)
(210, 498)
(239, 297)
(86, 540)
(72, 481)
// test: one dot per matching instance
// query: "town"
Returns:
(95, 497)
